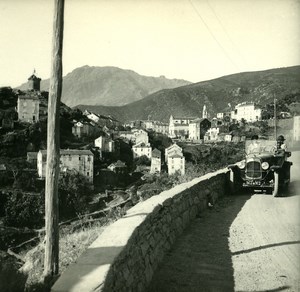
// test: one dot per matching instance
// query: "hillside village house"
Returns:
(227, 137)
(212, 134)
(221, 116)
(155, 161)
(141, 136)
(156, 126)
(179, 126)
(128, 135)
(174, 148)
(160, 127)
(141, 149)
(118, 167)
(198, 128)
(102, 120)
(175, 159)
(28, 107)
(28, 104)
(247, 111)
(296, 128)
(82, 161)
(147, 124)
(105, 144)
(81, 129)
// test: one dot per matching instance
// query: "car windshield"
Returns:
(260, 146)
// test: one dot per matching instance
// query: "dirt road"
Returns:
(245, 243)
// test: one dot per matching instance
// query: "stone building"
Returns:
(105, 144)
(28, 107)
(198, 128)
(28, 103)
(155, 161)
(179, 126)
(296, 128)
(141, 150)
(118, 167)
(248, 111)
(175, 159)
(82, 161)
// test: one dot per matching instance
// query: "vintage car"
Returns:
(265, 168)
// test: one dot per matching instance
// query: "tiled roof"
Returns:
(156, 153)
(33, 77)
(175, 155)
(119, 163)
(141, 145)
(184, 118)
(71, 152)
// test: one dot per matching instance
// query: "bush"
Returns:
(24, 210)
(74, 194)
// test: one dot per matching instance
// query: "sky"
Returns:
(194, 40)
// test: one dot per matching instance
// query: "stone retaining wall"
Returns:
(126, 254)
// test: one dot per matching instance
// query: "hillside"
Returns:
(219, 94)
(108, 86)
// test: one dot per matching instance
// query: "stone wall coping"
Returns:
(91, 268)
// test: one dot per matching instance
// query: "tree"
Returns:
(142, 160)
(24, 210)
(74, 194)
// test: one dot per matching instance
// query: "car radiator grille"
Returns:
(253, 169)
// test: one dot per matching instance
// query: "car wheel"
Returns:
(276, 184)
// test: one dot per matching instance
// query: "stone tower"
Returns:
(34, 82)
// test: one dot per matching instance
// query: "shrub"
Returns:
(24, 210)
(74, 194)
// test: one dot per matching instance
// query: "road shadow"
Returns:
(200, 260)
(264, 247)
(293, 189)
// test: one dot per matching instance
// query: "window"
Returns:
(88, 174)
(89, 158)
(79, 157)
(70, 158)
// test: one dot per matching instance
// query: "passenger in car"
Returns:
(254, 147)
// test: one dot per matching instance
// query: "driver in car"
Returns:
(280, 143)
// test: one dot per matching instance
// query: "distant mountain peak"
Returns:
(259, 86)
(108, 85)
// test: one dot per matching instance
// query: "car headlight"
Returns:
(265, 165)
(241, 164)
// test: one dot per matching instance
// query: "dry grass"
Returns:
(71, 246)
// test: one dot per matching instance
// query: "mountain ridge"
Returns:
(219, 94)
(108, 86)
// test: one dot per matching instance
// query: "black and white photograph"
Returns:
(150, 146)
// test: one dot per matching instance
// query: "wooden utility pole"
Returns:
(53, 147)
(275, 119)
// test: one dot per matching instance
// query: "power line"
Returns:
(213, 36)
(226, 32)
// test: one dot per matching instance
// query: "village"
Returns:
(105, 133)
(193, 130)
